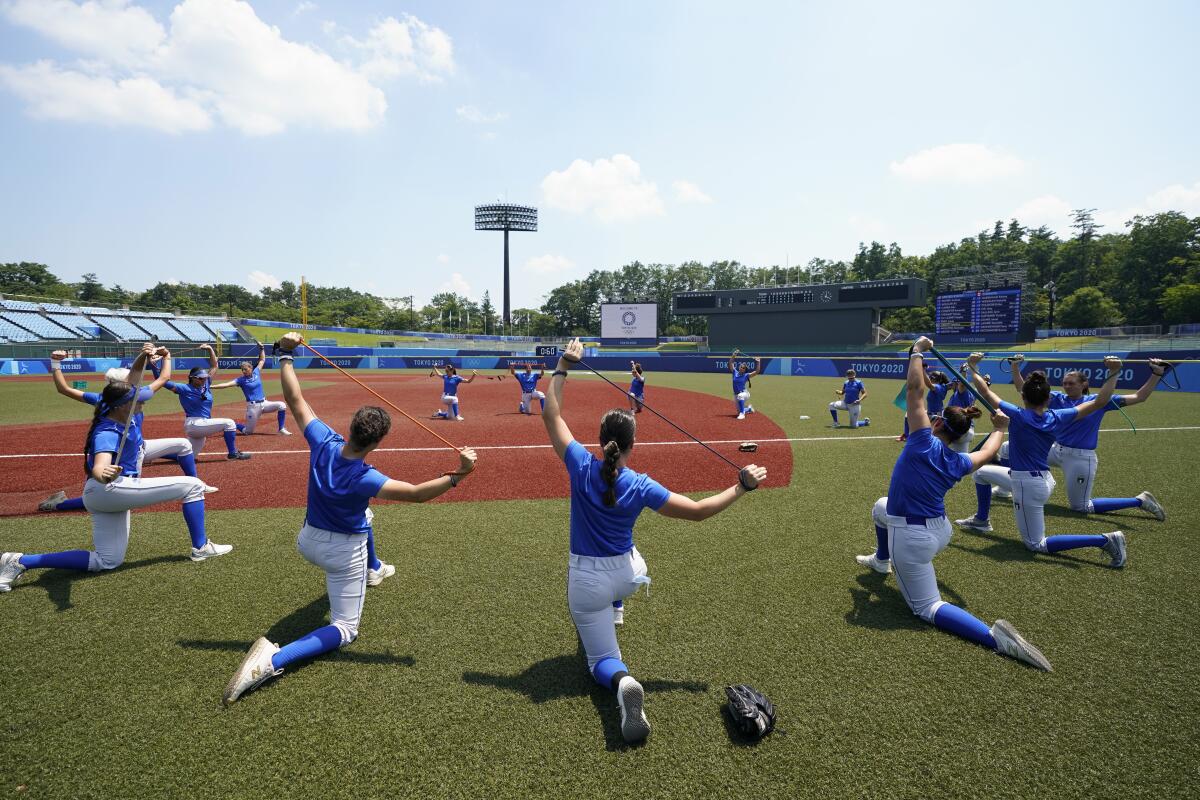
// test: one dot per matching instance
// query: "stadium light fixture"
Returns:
(506, 217)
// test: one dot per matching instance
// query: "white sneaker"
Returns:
(1001, 494)
(51, 502)
(1115, 547)
(378, 576)
(1149, 504)
(460, 419)
(742, 415)
(878, 564)
(973, 524)
(1011, 644)
(210, 489)
(284, 432)
(619, 616)
(866, 422)
(255, 670)
(10, 570)
(631, 698)
(210, 550)
(749, 409)
(836, 425)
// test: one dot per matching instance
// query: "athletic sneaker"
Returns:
(284, 432)
(378, 576)
(1115, 547)
(52, 502)
(1149, 504)
(619, 616)
(1001, 494)
(210, 489)
(836, 424)
(210, 549)
(1012, 644)
(883, 565)
(742, 415)
(630, 698)
(10, 570)
(749, 409)
(866, 422)
(460, 418)
(973, 524)
(238, 456)
(255, 670)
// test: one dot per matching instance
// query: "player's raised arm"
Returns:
(1158, 368)
(139, 364)
(512, 370)
(556, 426)
(1018, 378)
(60, 383)
(757, 367)
(161, 374)
(291, 384)
(982, 386)
(1106, 391)
(421, 492)
(262, 355)
(679, 506)
(213, 364)
(471, 379)
(916, 414)
(991, 446)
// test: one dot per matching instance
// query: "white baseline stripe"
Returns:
(639, 444)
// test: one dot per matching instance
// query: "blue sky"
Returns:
(215, 140)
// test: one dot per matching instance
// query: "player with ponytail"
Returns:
(605, 566)
(637, 387)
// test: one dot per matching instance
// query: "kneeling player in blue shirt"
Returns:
(852, 393)
(528, 381)
(334, 536)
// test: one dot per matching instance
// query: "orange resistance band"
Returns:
(381, 397)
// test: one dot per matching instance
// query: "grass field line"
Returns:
(640, 444)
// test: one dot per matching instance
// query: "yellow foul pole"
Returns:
(303, 303)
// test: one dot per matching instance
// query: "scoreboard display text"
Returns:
(985, 311)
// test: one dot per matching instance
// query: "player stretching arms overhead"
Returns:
(334, 534)
(637, 387)
(450, 381)
(852, 393)
(111, 455)
(1075, 447)
(528, 380)
(606, 499)
(938, 387)
(910, 523)
(196, 399)
(1031, 434)
(257, 404)
(741, 384)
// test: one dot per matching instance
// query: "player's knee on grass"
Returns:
(98, 562)
(879, 513)
(349, 631)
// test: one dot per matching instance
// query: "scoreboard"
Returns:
(982, 312)
(893, 293)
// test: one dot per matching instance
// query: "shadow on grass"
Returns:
(880, 606)
(59, 582)
(1008, 549)
(568, 676)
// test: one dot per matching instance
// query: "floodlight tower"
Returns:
(505, 217)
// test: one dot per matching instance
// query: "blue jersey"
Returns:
(1030, 435)
(852, 390)
(740, 379)
(935, 400)
(339, 489)
(637, 388)
(925, 471)
(252, 386)
(450, 384)
(963, 399)
(528, 380)
(1083, 434)
(596, 529)
(195, 402)
(106, 438)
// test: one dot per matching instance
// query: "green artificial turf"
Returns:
(466, 680)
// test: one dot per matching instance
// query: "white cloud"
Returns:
(549, 264)
(457, 284)
(52, 93)
(613, 189)
(1177, 197)
(262, 280)
(1049, 210)
(409, 47)
(304, 7)
(443, 258)
(958, 163)
(478, 117)
(213, 60)
(688, 192)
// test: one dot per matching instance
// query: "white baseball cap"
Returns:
(117, 375)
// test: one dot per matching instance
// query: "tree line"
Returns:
(1148, 274)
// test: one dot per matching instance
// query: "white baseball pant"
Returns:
(912, 544)
(594, 583)
(1079, 471)
(198, 429)
(1030, 491)
(528, 397)
(161, 448)
(994, 474)
(852, 408)
(963, 443)
(343, 557)
(256, 409)
(450, 399)
(110, 504)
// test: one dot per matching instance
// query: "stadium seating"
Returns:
(82, 326)
(223, 328)
(121, 327)
(18, 305)
(16, 334)
(159, 328)
(42, 326)
(194, 330)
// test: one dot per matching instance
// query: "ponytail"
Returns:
(617, 429)
(958, 420)
(612, 453)
(1036, 390)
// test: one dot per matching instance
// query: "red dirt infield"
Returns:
(515, 459)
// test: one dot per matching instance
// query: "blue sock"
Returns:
(171, 458)
(741, 406)
(187, 464)
(322, 640)
(1103, 505)
(193, 515)
(906, 425)
(454, 409)
(543, 402)
(282, 417)
(231, 441)
(955, 620)
(606, 668)
(618, 604)
(240, 427)
(833, 414)
(73, 504)
(1073, 542)
(881, 548)
(372, 561)
(983, 496)
(68, 559)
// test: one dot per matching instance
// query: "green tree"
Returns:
(1181, 303)
(1088, 308)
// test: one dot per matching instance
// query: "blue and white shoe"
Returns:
(1115, 547)
(1013, 645)
(10, 570)
(631, 700)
